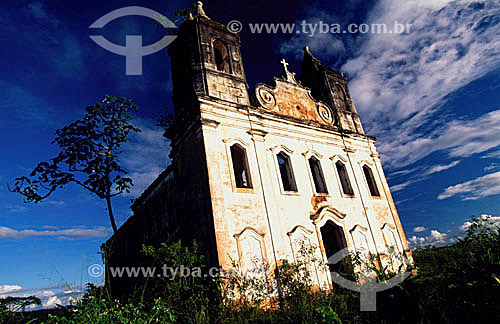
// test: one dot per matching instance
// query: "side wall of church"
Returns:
(193, 219)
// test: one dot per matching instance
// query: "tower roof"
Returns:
(311, 62)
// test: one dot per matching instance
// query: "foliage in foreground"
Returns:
(454, 284)
(9, 306)
(98, 309)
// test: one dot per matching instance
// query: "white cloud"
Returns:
(145, 156)
(440, 167)
(493, 220)
(16, 209)
(480, 187)
(37, 10)
(46, 293)
(65, 53)
(492, 155)
(435, 238)
(435, 4)
(465, 226)
(62, 294)
(16, 290)
(9, 288)
(459, 138)
(52, 302)
(492, 166)
(73, 233)
(62, 298)
(403, 185)
(422, 173)
(416, 241)
(402, 201)
(32, 109)
(55, 202)
(400, 82)
(49, 227)
(398, 173)
(324, 44)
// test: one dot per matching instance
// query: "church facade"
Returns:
(256, 173)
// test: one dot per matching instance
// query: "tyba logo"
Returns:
(133, 50)
(370, 286)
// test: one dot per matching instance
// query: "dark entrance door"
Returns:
(334, 241)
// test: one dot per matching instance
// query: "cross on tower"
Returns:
(285, 64)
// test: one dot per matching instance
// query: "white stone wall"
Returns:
(262, 222)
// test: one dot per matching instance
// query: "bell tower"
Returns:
(206, 63)
(331, 87)
(207, 72)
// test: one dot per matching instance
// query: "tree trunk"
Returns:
(110, 212)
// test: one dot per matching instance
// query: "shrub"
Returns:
(286, 294)
(103, 311)
(196, 298)
(454, 284)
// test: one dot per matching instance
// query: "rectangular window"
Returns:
(317, 175)
(344, 178)
(240, 167)
(370, 180)
(286, 172)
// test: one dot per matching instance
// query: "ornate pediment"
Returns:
(289, 98)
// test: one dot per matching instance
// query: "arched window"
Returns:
(317, 175)
(240, 167)
(340, 98)
(344, 178)
(221, 56)
(286, 172)
(370, 180)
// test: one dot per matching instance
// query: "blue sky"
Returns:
(431, 97)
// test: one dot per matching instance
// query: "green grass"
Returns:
(454, 284)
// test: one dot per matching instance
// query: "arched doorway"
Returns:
(334, 240)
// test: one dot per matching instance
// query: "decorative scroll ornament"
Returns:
(325, 113)
(266, 98)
